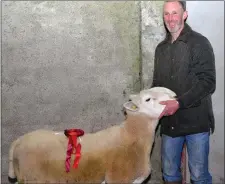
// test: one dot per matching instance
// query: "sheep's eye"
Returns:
(147, 100)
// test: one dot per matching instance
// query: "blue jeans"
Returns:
(198, 152)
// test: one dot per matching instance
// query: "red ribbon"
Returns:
(72, 135)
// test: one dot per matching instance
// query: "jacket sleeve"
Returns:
(203, 68)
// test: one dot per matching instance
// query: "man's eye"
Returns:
(148, 99)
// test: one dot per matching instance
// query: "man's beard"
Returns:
(176, 27)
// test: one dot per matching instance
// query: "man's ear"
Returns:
(185, 15)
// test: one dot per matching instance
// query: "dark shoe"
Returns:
(172, 182)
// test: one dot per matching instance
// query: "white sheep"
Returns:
(119, 154)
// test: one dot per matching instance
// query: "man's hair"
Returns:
(182, 3)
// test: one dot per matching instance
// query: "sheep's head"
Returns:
(148, 101)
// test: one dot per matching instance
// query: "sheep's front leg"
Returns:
(142, 178)
(103, 182)
(139, 180)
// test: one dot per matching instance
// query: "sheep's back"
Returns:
(40, 156)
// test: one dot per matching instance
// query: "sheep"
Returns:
(118, 154)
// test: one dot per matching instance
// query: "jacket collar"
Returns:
(182, 37)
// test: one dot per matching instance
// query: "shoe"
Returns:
(172, 182)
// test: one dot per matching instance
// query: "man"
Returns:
(184, 63)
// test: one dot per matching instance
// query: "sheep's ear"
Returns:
(131, 97)
(130, 106)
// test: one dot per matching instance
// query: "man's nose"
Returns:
(170, 17)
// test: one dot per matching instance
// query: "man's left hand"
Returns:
(171, 107)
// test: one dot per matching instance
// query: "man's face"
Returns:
(174, 16)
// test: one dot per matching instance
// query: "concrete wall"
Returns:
(207, 17)
(66, 65)
(152, 32)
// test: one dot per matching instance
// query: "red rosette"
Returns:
(72, 135)
(73, 131)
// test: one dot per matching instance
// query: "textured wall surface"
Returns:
(213, 28)
(66, 65)
(152, 32)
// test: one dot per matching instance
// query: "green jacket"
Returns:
(187, 66)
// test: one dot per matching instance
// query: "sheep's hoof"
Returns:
(139, 180)
(12, 180)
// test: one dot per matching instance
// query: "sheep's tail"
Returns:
(11, 174)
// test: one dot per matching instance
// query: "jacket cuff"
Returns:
(181, 104)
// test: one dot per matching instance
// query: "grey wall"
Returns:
(152, 32)
(207, 17)
(66, 65)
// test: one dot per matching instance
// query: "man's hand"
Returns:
(171, 107)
